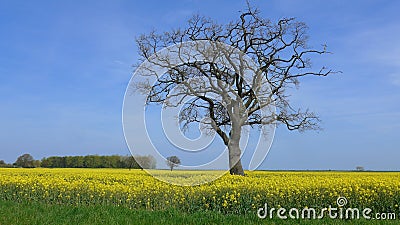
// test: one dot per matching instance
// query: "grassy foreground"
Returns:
(41, 213)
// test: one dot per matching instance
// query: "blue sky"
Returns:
(64, 67)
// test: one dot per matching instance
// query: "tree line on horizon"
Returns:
(88, 161)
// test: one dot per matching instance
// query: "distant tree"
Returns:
(93, 161)
(173, 161)
(4, 164)
(152, 163)
(79, 162)
(70, 162)
(129, 162)
(113, 161)
(36, 163)
(26, 161)
(51, 162)
(45, 162)
(360, 168)
(146, 162)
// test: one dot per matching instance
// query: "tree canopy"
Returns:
(173, 161)
(222, 85)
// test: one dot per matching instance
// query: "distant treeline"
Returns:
(89, 161)
(4, 164)
(96, 161)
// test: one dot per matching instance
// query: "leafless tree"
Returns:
(281, 57)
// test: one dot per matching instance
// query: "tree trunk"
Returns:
(235, 163)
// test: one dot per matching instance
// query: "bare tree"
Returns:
(280, 54)
(173, 161)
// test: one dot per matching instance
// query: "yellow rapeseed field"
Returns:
(230, 194)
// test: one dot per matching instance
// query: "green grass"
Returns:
(40, 213)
